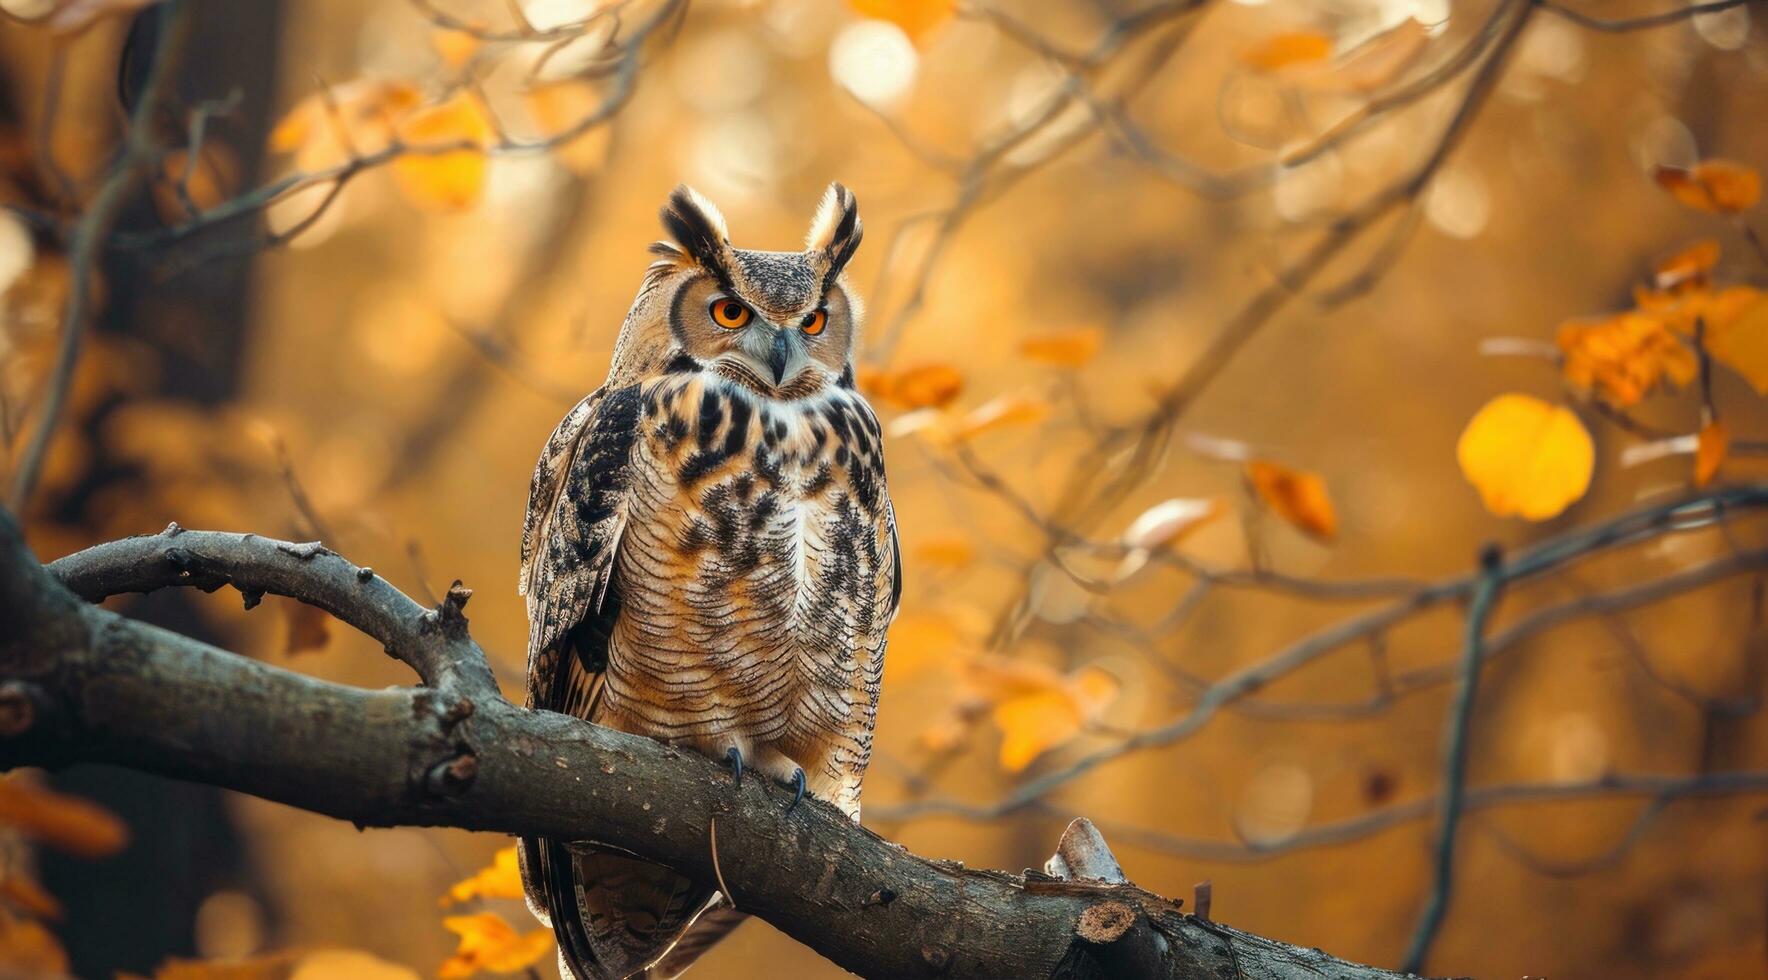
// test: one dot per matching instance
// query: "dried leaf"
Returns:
(1282, 51)
(917, 386)
(501, 879)
(1297, 496)
(1740, 341)
(488, 942)
(309, 628)
(451, 180)
(1049, 713)
(1069, 348)
(67, 823)
(1692, 264)
(1625, 357)
(72, 16)
(1526, 457)
(22, 893)
(1710, 451)
(915, 17)
(29, 949)
(1000, 413)
(1713, 186)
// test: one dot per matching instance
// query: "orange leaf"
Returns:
(918, 386)
(1691, 264)
(488, 942)
(67, 823)
(309, 627)
(24, 894)
(501, 879)
(1285, 50)
(27, 949)
(1297, 496)
(1526, 457)
(1713, 186)
(1070, 348)
(1040, 719)
(915, 17)
(950, 551)
(1740, 341)
(450, 180)
(1710, 451)
(455, 48)
(1625, 357)
(1000, 413)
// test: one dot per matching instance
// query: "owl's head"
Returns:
(781, 323)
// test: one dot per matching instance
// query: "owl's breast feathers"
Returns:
(736, 559)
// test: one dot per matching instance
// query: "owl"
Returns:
(710, 559)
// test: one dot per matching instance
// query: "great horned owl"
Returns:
(710, 558)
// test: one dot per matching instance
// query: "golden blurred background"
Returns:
(384, 379)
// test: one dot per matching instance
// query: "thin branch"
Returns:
(1623, 25)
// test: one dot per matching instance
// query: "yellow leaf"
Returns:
(502, 879)
(1710, 451)
(1742, 343)
(1000, 413)
(452, 179)
(1297, 496)
(28, 949)
(1526, 457)
(1691, 264)
(1713, 186)
(1070, 348)
(915, 17)
(1286, 50)
(950, 552)
(455, 48)
(67, 823)
(1045, 717)
(488, 942)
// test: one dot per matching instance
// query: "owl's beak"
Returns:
(780, 356)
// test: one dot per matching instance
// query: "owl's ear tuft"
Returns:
(697, 228)
(835, 231)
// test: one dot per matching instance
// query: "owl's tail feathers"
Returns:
(712, 925)
(612, 915)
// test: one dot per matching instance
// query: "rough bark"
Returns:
(81, 684)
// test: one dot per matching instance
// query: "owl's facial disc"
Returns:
(773, 354)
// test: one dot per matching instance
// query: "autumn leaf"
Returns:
(502, 879)
(1713, 186)
(1623, 358)
(1282, 51)
(29, 949)
(489, 943)
(66, 823)
(1045, 709)
(915, 17)
(1161, 526)
(1069, 348)
(359, 116)
(1692, 264)
(22, 893)
(1710, 450)
(455, 48)
(1526, 457)
(1740, 342)
(951, 552)
(451, 180)
(998, 413)
(914, 387)
(309, 628)
(1297, 496)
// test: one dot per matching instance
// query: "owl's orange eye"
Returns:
(814, 323)
(730, 314)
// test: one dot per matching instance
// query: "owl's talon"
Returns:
(735, 757)
(797, 790)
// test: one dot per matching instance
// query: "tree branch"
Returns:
(81, 684)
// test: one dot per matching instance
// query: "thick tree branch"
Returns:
(81, 684)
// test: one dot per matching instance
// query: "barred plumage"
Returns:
(710, 558)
